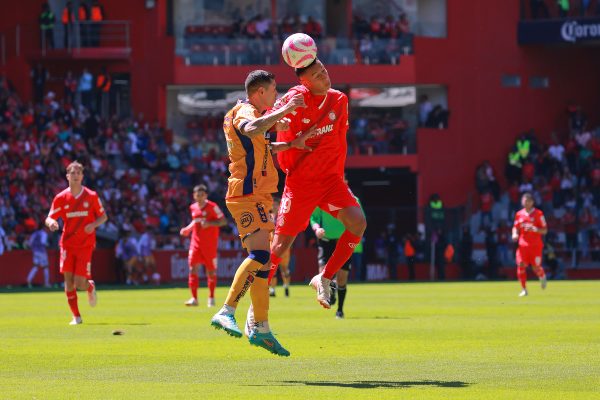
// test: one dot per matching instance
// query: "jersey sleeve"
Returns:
(243, 115)
(344, 123)
(217, 212)
(57, 209)
(516, 223)
(97, 204)
(315, 217)
(541, 221)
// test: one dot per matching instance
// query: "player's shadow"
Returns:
(119, 324)
(378, 317)
(379, 384)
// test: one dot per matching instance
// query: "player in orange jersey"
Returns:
(528, 229)
(207, 217)
(249, 199)
(81, 212)
(316, 178)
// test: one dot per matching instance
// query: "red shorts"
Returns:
(529, 256)
(197, 257)
(300, 200)
(77, 261)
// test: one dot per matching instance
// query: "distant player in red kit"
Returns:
(207, 217)
(81, 212)
(316, 178)
(528, 229)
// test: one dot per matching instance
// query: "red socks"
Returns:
(72, 299)
(343, 250)
(274, 264)
(539, 271)
(212, 284)
(522, 275)
(193, 284)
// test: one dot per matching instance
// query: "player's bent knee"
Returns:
(261, 256)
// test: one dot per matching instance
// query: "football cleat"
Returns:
(210, 302)
(227, 323)
(321, 285)
(92, 296)
(523, 293)
(544, 282)
(76, 321)
(192, 302)
(272, 291)
(287, 291)
(333, 298)
(267, 341)
(339, 315)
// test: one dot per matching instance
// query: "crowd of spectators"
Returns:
(377, 41)
(382, 40)
(564, 177)
(374, 131)
(545, 9)
(141, 173)
(81, 26)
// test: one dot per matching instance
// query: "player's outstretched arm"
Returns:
(298, 143)
(260, 125)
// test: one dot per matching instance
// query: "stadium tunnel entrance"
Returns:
(389, 199)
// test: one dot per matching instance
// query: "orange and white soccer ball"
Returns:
(299, 50)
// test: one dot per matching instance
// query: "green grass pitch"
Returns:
(409, 341)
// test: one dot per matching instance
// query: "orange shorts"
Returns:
(300, 200)
(77, 261)
(529, 256)
(252, 213)
(209, 261)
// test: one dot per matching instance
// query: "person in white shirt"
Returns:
(38, 243)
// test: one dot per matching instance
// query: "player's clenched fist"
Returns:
(283, 124)
(52, 225)
(296, 101)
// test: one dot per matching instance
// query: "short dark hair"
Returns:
(200, 188)
(300, 71)
(75, 165)
(528, 196)
(256, 79)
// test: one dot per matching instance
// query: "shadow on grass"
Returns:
(377, 317)
(373, 384)
(119, 323)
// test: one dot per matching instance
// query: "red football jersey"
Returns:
(524, 221)
(76, 212)
(205, 236)
(328, 157)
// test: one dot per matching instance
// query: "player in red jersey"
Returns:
(81, 212)
(207, 217)
(528, 229)
(316, 178)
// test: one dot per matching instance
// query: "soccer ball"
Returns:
(299, 50)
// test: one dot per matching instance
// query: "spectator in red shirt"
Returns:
(313, 29)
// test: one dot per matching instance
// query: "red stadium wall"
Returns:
(486, 117)
(172, 265)
(480, 48)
